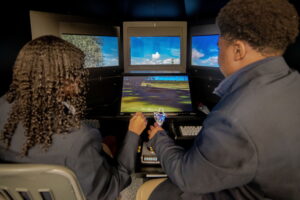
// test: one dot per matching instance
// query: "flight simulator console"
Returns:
(167, 93)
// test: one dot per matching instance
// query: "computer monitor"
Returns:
(205, 50)
(150, 93)
(154, 46)
(203, 54)
(99, 41)
(100, 51)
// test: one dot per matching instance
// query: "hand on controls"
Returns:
(137, 123)
(153, 130)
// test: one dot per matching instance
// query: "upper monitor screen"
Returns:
(205, 50)
(170, 93)
(155, 50)
(100, 51)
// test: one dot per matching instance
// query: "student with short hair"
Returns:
(248, 147)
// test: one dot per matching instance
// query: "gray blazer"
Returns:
(249, 143)
(80, 151)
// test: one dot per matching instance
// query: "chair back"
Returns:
(38, 182)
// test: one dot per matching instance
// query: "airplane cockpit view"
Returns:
(150, 100)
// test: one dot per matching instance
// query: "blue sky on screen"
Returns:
(168, 78)
(108, 46)
(205, 50)
(110, 50)
(154, 50)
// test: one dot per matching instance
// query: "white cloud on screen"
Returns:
(211, 61)
(175, 52)
(155, 56)
(111, 62)
(197, 54)
(146, 61)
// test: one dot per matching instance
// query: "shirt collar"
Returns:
(224, 86)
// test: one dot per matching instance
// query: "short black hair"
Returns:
(265, 24)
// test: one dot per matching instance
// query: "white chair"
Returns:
(38, 182)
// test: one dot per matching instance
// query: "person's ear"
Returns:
(239, 50)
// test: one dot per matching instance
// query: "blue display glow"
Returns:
(152, 93)
(205, 50)
(154, 50)
(168, 78)
(100, 51)
(110, 50)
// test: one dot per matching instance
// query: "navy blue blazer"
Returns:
(249, 143)
(81, 151)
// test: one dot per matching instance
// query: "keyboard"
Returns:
(189, 130)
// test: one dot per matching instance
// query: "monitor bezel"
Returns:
(155, 29)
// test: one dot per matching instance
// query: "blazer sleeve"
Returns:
(222, 156)
(99, 177)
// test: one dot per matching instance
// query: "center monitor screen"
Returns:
(170, 93)
(155, 50)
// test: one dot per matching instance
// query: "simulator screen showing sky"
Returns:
(205, 50)
(154, 50)
(151, 93)
(100, 51)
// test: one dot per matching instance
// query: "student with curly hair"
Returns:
(41, 119)
(248, 147)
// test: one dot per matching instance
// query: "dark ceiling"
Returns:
(133, 9)
(117, 11)
(125, 10)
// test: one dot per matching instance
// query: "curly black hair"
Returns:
(43, 75)
(267, 25)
